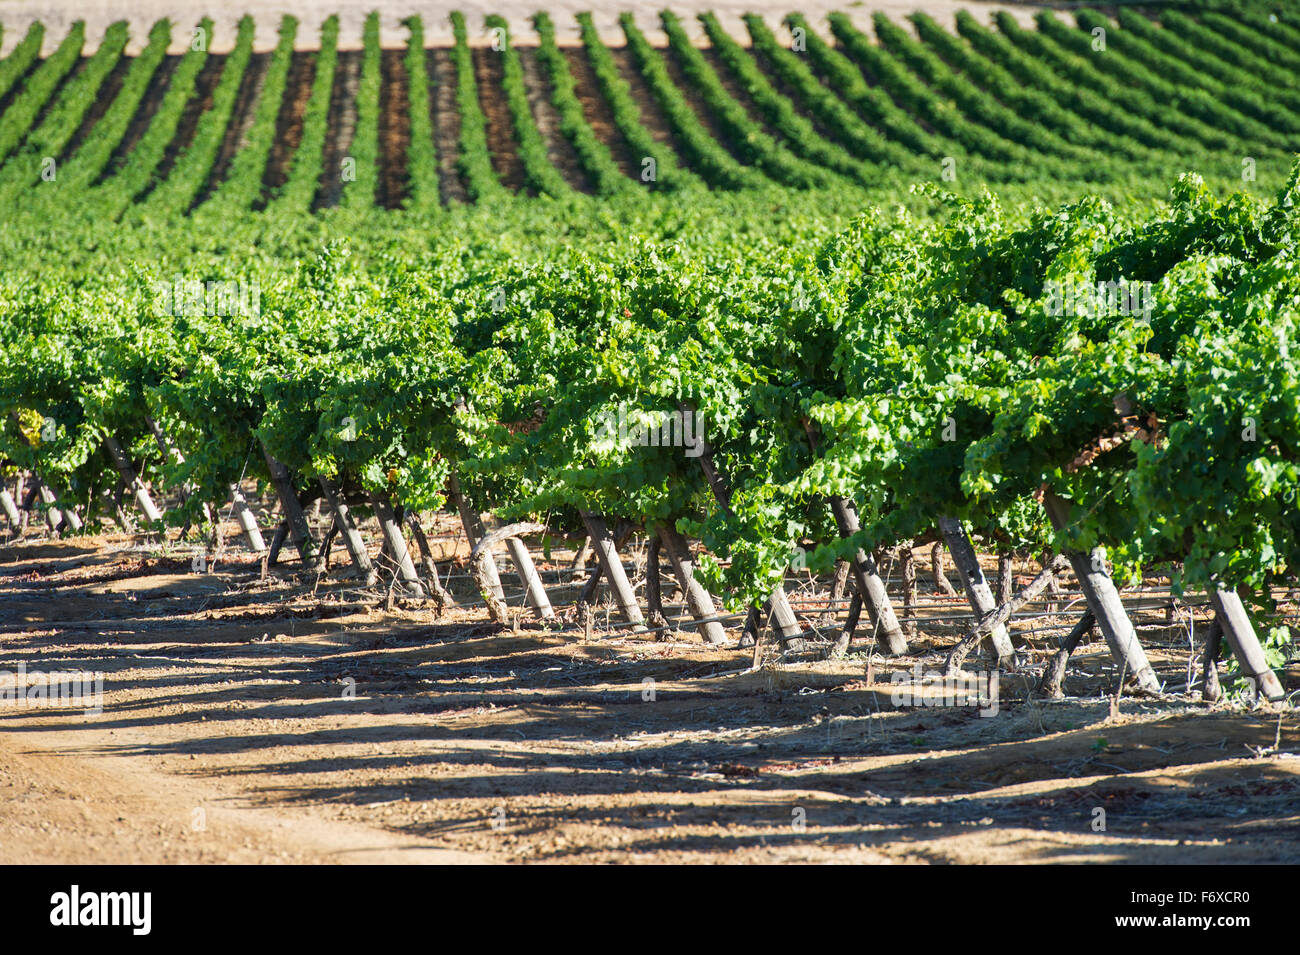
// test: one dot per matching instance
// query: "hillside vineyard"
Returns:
(772, 310)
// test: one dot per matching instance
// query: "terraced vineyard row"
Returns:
(872, 105)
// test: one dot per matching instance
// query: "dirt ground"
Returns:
(251, 720)
(59, 15)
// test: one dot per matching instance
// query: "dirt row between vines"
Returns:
(254, 720)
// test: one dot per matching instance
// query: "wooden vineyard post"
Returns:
(1240, 634)
(64, 515)
(141, 493)
(698, 600)
(870, 587)
(71, 518)
(533, 587)
(53, 517)
(247, 523)
(496, 606)
(1105, 604)
(299, 530)
(478, 560)
(977, 588)
(523, 561)
(612, 567)
(11, 510)
(396, 543)
(784, 623)
(1103, 600)
(347, 528)
(519, 556)
(473, 527)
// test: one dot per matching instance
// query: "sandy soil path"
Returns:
(65, 807)
(301, 728)
(58, 16)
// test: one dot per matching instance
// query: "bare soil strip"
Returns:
(394, 129)
(446, 124)
(488, 74)
(288, 125)
(249, 720)
(250, 92)
(558, 149)
(595, 109)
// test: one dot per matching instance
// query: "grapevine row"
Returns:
(627, 115)
(539, 172)
(845, 393)
(799, 135)
(242, 187)
(597, 161)
(363, 153)
(132, 176)
(189, 175)
(1134, 101)
(474, 160)
(717, 166)
(421, 158)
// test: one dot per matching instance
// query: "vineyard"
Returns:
(760, 437)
